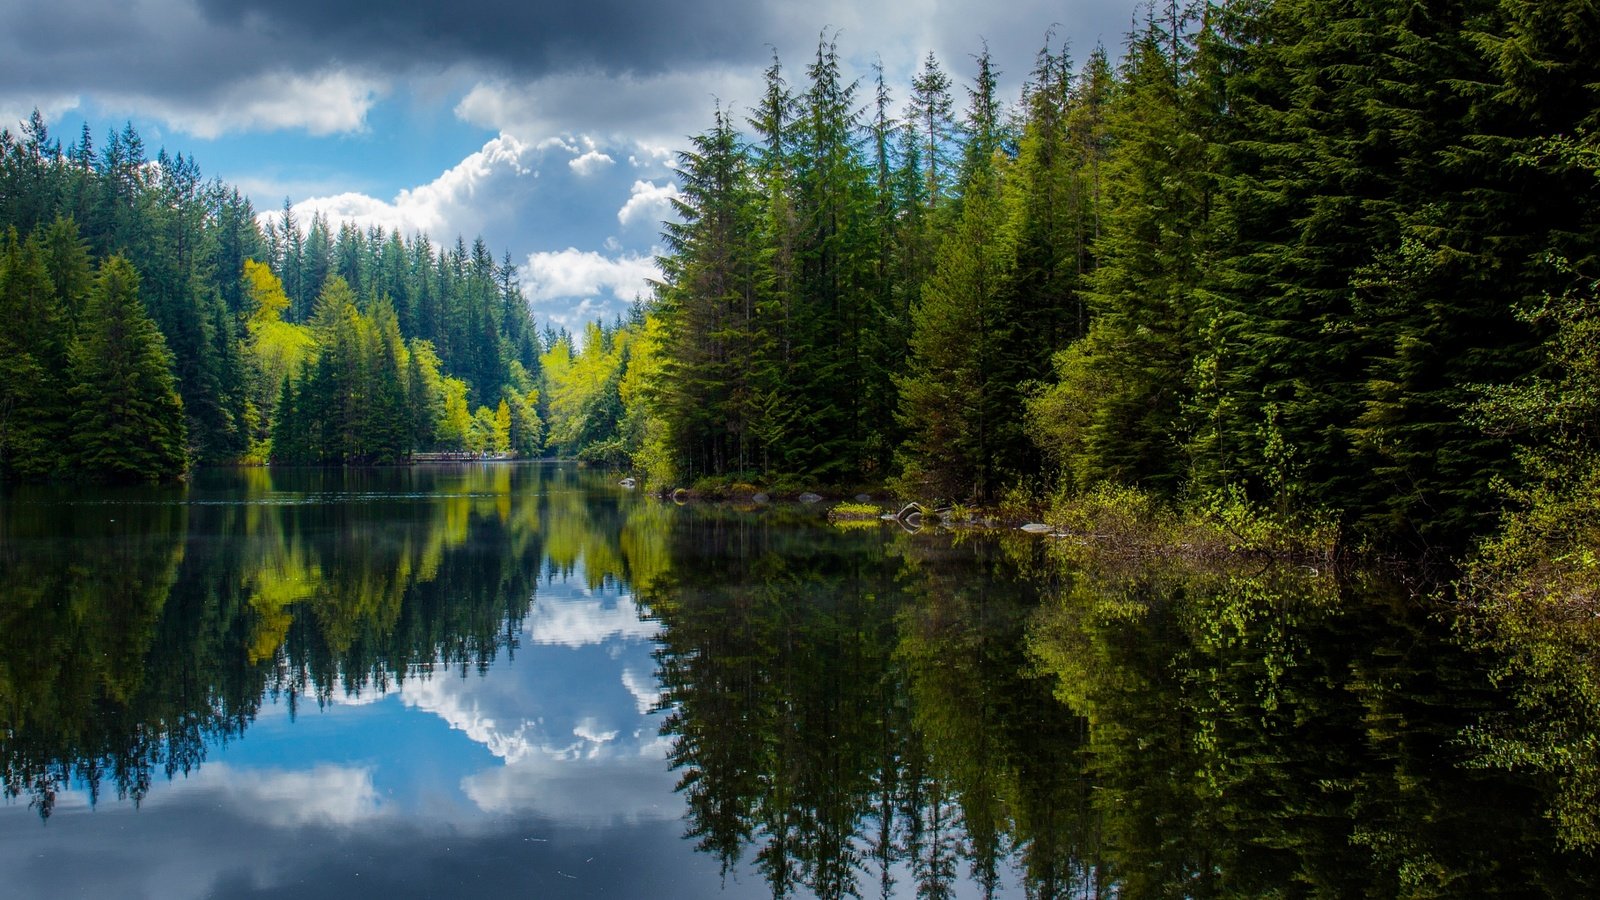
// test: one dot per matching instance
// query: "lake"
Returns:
(523, 679)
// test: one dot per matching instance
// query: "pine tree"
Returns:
(708, 304)
(931, 119)
(128, 419)
(952, 398)
(832, 313)
(1117, 410)
(34, 344)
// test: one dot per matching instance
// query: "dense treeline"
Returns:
(153, 321)
(1280, 256)
(1269, 258)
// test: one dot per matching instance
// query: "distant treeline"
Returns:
(1280, 256)
(347, 346)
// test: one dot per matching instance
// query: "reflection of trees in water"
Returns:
(873, 714)
(169, 621)
(851, 713)
(74, 633)
(1268, 732)
(852, 719)
(1545, 637)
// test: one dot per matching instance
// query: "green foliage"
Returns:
(127, 421)
(234, 303)
(34, 362)
(1532, 586)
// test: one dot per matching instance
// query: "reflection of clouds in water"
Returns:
(569, 718)
(447, 698)
(646, 693)
(579, 623)
(589, 730)
(322, 795)
(611, 788)
(588, 774)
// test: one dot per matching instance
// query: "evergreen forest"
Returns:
(1312, 260)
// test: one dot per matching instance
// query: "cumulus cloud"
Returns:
(616, 110)
(510, 741)
(328, 102)
(648, 202)
(590, 163)
(601, 789)
(580, 623)
(17, 109)
(572, 287)
(323, 795)
(489, 185)
(646, 693)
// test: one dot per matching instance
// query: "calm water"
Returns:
(524, 680)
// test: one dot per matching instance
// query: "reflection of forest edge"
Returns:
(850, 712)
(143, 627)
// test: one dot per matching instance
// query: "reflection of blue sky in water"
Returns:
(569, 723)
(562, 729)
(545, 777)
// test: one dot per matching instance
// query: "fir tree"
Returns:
(128, 420)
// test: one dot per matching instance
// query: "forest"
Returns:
(1314, 260)
(1320, 258)
(155, 321)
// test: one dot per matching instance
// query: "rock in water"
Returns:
(1037, 528)
(809, 497)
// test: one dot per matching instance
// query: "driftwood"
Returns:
(912, 515)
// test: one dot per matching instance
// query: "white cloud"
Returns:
(590, 163)
(599, 789)
(443, 698)
(616, 110)
(328, 102)
(646, 693)
(571, 287)
(323, 795)
(651, 156)
(649, 202)
(489, 185)
(15, 111)
(579, 623)
(589, 730)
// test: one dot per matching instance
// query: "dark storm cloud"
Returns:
(509, 37)
(215, 66)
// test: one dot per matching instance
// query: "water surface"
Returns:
(527, 680)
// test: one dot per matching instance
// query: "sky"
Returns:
(548, 128)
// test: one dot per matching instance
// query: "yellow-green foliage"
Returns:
(275, 347)
(1115, 519)
(644, 430)
(577, 384)
(1535, 595)
(455, 427)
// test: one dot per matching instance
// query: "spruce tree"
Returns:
(128, 422)
(708, 304)
(34, 345)
(1117, 410)
(952, 399)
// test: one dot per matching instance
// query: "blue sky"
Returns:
(547, 128)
